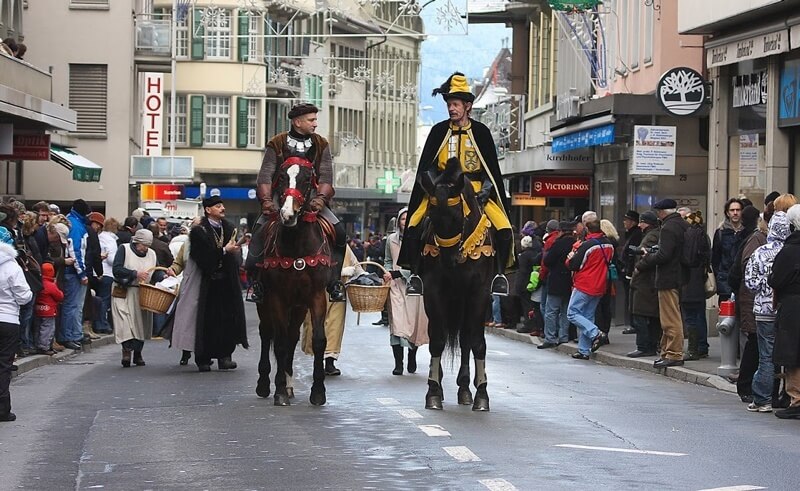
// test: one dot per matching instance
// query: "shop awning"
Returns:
(83, 169)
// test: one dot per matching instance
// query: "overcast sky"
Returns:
(443, 55)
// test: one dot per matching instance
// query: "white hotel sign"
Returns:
(748, 49)
(152, 114)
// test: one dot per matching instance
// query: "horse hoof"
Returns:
(317, 398)
(464, 397)
(433, 402)
(290, 392)
(481, 405)
(262, 391)
(281, 400)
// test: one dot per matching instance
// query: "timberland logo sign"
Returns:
(682, 91)
(749, 89)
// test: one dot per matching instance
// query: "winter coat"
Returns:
(163, 254)
(667, 261)
(744, 297)
(549, 240)
(108, 246)
(77, 237)
(723, 251)
(14, 289)
(759, 267)
(526, 260)
(643, 282)
(48, 299)
(627, 253)
(590, 264)
(559, 278)
(695, 288)
(785, 280)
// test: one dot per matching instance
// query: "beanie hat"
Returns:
(750, 217)
(649, 218)
(81, 207)
(552, 225)
(47, 271)
(529, 228)
(526, 242)
(96, 217)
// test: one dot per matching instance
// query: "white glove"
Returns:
(348, 270)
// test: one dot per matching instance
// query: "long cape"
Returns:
(437, 139)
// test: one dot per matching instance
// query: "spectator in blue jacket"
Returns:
(75, 277)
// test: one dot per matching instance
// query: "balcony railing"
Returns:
(153, 33)
(25, 78)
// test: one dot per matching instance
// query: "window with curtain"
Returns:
(254, 38)
(217, 120)
(181, 119)
(252, 122)
(218, 37)
(182, 37)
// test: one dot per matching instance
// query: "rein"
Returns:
(473, 246)
(298, 263)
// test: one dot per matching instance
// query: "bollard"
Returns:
(728, 337)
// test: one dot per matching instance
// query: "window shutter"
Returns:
(244, 40)
(88, 96)
(196, 117)
(241, 122)
(198, 33)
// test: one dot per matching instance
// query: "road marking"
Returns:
(622, 450)
(388, 401)
(462, 454)
(497, 485)
(434, 430)
(409, 414)
(496, 353)
(745, 487)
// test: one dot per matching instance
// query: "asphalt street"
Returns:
(555, 423)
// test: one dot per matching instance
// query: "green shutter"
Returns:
(244, 27)
(198, 33)
(241, 122)
(196, 121)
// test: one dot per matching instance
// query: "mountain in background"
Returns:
(470, 54)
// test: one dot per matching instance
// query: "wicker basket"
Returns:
(155, 299)
(365, 299)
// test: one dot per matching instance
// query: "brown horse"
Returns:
(294, 272)
(457, 268)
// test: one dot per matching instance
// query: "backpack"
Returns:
(695, 251)
(611, 269)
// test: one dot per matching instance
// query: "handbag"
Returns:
(32, 272)
(118, 291)
(612, 274)
(710, 285)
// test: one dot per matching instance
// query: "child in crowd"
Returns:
(46, 310)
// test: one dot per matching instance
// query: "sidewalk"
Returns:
(35, 361)
(702, 372)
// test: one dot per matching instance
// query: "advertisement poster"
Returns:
(748, 155)
(654, 150)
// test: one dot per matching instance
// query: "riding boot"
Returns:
(502, 248)
(255, 251)
(411, 242)
(412, 360)
(335, 285)
(398, 359)
(137, 359)
(126, 357)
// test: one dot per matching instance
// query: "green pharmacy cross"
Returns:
(388, 182)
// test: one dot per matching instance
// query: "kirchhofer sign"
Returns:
(560, 187)
(152, 114)
(752, 48)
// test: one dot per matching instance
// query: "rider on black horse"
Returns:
(300, 141)
(471, 142)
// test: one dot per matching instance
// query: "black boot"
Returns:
(330, 368)
(398, 359)
(411, 242)
(335, 286)
(255, 251)
(185, 357)
(502, 247)
(412, 360)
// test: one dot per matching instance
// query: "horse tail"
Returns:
(454, 326)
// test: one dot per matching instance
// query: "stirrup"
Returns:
(414, 287)
(255, 293)
(336, 292)
(499, 285)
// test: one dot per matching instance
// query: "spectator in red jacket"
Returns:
(589, 283)
(46, 310)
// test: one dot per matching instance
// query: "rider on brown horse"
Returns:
(300, 141)
(471, 143)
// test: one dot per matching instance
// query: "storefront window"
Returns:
(747, 171)
(608, 193)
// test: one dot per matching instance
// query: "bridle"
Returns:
(301, 198)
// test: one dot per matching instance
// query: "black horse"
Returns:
(294, 272)
(457, 268)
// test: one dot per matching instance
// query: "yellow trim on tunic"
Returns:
(472, 162)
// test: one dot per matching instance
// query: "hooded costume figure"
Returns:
(315, 149)
(474, 147)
